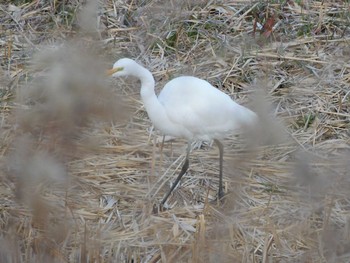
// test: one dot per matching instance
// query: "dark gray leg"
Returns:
(221, 150)
(183, 171)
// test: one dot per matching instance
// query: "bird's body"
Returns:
(196, 110)
(188, 107)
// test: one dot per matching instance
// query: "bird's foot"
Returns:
(219, 199)
(159, 208)
(221, 195)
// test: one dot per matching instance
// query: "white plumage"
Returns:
(188, 107)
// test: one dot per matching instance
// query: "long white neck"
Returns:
(154, 108)
(147, 86)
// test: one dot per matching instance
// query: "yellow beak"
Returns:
(113, 70)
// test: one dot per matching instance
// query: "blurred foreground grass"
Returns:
(81, 172)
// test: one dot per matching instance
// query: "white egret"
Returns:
(190, 108)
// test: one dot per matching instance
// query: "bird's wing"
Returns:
(198, 107)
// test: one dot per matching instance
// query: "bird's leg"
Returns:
(183, 171)
(221, 150)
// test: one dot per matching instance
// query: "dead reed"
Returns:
(81, 170)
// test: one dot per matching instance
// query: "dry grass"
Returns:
(79, 180)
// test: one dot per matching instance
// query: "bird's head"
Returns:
(123, 67)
